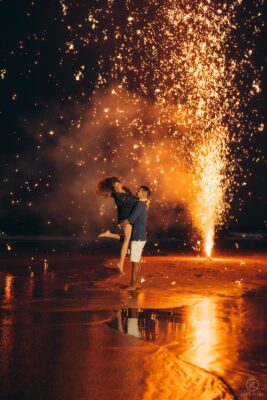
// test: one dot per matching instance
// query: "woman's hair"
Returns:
(105, 186)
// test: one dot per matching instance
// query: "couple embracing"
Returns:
(132, 217)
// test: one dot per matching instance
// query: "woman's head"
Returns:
(109, 185)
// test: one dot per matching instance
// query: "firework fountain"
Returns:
(170, 70)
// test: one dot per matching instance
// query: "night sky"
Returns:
(49, 69)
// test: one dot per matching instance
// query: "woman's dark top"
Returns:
(125, 203)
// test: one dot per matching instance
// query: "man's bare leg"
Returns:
(108, 234)
(132, 278)
(135, 275)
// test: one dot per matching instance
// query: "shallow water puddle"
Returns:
(158, 325)
(220, 336)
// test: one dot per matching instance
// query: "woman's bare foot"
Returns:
(120, 268)
(105, 234)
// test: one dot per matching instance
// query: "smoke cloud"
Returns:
(116, 134)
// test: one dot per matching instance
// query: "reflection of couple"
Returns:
(132, 216)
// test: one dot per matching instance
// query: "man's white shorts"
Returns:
(136, 247)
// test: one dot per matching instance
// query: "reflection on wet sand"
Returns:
(8, 287)
(204, 344)
(205, 340)
(208, 336)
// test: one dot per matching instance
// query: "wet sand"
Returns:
(195, 330)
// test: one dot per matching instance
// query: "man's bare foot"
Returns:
(105, 234)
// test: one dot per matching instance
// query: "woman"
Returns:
(125, 202)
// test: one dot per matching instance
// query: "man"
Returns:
(138, 219)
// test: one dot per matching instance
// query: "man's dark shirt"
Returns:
(125, 203)
(138, 220)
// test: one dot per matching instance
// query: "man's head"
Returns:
(143, 193)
